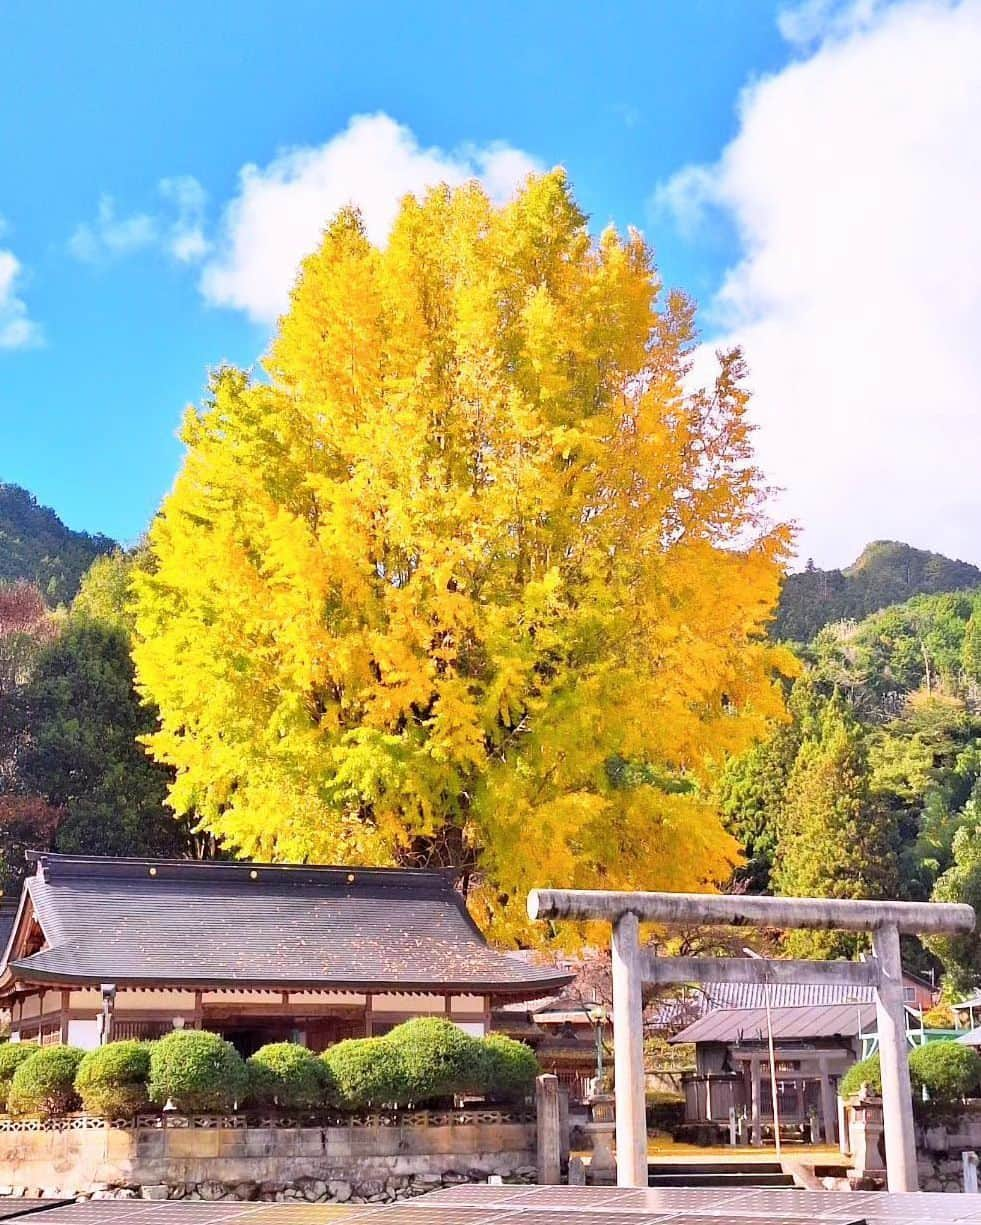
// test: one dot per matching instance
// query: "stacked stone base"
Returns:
(304, 1190)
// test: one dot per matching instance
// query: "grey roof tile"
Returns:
(151, 922)
(749, 1024)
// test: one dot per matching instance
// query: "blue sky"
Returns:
(134, 254)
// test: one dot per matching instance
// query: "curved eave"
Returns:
(23, 974)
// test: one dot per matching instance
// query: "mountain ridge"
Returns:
(37, 546)
(886, 572)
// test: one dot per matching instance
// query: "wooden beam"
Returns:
(735, 910)
(791, 1054)
(756, 970)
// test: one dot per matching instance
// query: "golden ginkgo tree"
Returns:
(470, 579)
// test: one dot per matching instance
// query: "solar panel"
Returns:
(532, 1205)
(23, 1207)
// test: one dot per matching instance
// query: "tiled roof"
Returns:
(749, 1024)
(147, 922)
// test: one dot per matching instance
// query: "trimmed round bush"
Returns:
(439, 1059)
(509, 1068)
(866, 1071)
(197, 1071)
(366, 1072)
(112, 1080)
(947, 1070)
(12, 1055)
(289, 1076)
(45, 1083)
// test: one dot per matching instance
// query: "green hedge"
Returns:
(439, 1059)
(45, 1083)
(367, 1072)
(288, 1076)
(420, 1062)
(947, 1070)
(112, 1080)
(12, 1055)
(197, 1071)
(509, 1069)
(866, 1071)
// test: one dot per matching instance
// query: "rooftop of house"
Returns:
(143, 922)
(745, 1025)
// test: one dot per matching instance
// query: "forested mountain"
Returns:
(873, 788)
(35, 545)
(887, 572)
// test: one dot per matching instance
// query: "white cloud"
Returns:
(280, 210)
(852, 185)
(178, 228)
(111, 235)
(17, 329)
(185, 237)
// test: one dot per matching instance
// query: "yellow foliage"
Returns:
(470, 549)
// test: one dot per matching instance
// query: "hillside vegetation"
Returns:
(35, 545)
(887, 572)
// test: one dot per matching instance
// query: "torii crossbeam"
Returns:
(633, 966)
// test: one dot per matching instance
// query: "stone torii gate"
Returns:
(634, 966)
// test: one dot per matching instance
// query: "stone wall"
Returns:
(380, 1159)
(940, 1144)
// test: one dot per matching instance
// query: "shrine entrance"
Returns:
(633, 966)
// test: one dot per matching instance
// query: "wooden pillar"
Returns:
(755, 1105)
(628, 1054)
(897, 1101)
(829, 1107)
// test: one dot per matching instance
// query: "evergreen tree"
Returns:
(961, 955)
(971, 648)
(835, 841)
(84, 718)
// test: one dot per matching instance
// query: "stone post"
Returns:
(897, 1098)
(549, 1111)
(865, 1129)
(970, 1161)
(628, 1053)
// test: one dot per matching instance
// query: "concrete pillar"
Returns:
(897, 1102)
(970, 1163)
(628, 1054)
(755, 1105)
(549, 1113)
(829, 1106)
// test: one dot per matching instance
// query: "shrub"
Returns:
(112, 1080)
(866, 1071)
(286, 1075)
(196, 1070)
(45, 1083)
(947, 1070)
(12, 1054)
(509, 1068)
(366, 1072)
(439, 1059)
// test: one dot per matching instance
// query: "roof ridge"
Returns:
(54, 866)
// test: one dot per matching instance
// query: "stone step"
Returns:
(656, 1166)
(693, 1179)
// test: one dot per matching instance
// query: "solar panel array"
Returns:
(524, 1205)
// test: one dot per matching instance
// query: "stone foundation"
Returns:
(387, 1159)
